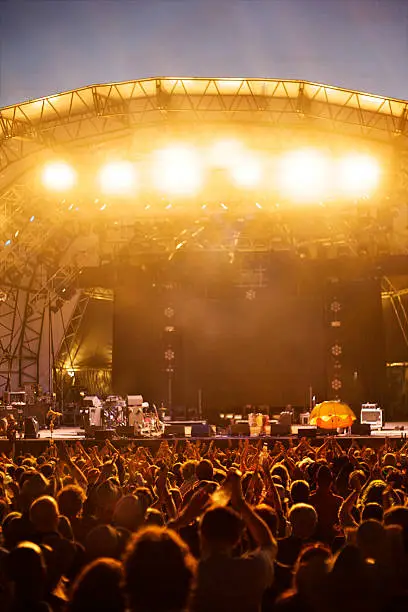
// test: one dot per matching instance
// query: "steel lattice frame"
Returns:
(34, 268)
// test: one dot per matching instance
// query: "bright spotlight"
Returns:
(117, 178)
(358, 175)
(177, 171)
(303, 175)
(247, 172)
(58, 176)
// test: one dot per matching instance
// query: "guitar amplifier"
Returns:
(371, 415)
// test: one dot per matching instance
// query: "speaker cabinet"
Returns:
(200, 430)
(307, 432)
(174, 429)
(31, 428)
(280, 429)
(104, 434)
(240, 429)
(361, 429)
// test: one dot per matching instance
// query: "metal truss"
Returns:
(86, 115)
(12, 307)
(68, 348)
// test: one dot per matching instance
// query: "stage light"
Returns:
(358, 174)
(303, 175)
(117, 178)
(247, 172)
(58, 176)
(177, 171)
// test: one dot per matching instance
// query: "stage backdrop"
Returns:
(235, 345)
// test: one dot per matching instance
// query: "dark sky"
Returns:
(49, 46)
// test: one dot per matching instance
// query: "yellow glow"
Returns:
(225, 153)
(358, 175)
(177, 171)
(247, 172)
(58, 176)
(117, 178)
(303, 175)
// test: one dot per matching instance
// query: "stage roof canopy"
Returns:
(104, 112)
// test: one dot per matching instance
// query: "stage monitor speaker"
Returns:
(104, 434)
(126, 431)
(307, 432)
(174, 429)
(280, 429)
(361, 429)
(31, 428)
(200, 430)
(240, 429)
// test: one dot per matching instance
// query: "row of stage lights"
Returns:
(182, 171)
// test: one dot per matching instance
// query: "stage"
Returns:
(395, 431)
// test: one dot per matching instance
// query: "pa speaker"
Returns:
(240, 429)
(280, 429)
(174, 429)
(104, 434)
(31, 428)
(361, 429)
(307, 432)
(127, 431)
(200, 430)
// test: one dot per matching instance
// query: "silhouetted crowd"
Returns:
(199, 528)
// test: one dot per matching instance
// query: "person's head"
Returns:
(102, 541)
(205, 470)
(70, 500)
(98, 588)
(44, 514)
(269, 516)
(299, 492)
(155, 555)
(145, 497)
(398, 515)
(26, 568)
(303, 519)
(356, 479)
(348, 577)
(129, 513)
(12, 528)
(220, 530)
(373, 492)
(106, 496)
(324, 477)
(33, 485)
(371, 539)
(311, 567)
(188, 469)
(372, 511)
(389, 459)
(279, 469)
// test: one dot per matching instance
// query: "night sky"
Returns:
(49, 46)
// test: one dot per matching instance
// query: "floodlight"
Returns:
(177, 171)
(247, 172)
(58, 176)
(303, 175)
(117, 178)
(358, 174)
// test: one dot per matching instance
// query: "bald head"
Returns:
(44, 514)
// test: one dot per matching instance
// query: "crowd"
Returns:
(198, 528)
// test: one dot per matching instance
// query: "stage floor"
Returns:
(389, 430)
